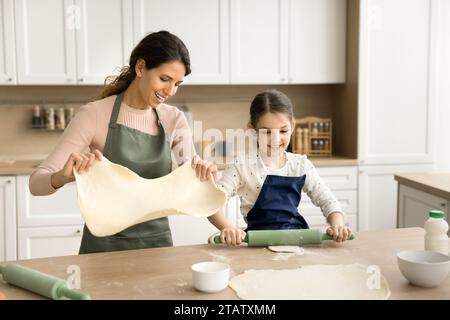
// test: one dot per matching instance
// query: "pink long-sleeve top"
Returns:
(89, 128)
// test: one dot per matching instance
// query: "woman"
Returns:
(131, 126)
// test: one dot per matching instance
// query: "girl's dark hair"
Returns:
(270, 101)
(156, 48)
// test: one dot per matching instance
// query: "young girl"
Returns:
(270, 187)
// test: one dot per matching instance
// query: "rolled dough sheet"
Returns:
(112, 198)
(287, 249)
(322, 282)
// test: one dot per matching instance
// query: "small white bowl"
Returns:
(423, 268)
(210, 276)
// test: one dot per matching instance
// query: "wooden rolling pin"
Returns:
(40, 283)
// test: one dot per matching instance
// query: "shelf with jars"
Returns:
(51, 118)
(313, 136)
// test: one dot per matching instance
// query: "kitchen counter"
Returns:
(164, 273)
(25, 167)
(19, 167)
(437, 184)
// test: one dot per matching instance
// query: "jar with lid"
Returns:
(60, 123)
(314, 128)
(436, 229)
(315, 144)
(50, 118)
(36, 122)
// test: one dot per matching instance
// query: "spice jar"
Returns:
(50, 118)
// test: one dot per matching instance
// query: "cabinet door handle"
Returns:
(80, 80)
(8, 181)
(77, 232)
(443, 204)
(9, 79)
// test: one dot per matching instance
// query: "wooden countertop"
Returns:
(26, 167)
(437, 184)
(165, 273)
(20, 167)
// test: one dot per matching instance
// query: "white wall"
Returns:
(443, 89)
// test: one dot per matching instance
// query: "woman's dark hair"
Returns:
(155, 49)
(272, 101)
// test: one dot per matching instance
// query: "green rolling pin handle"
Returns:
(328, 237)
(72, 294)
(217, 239)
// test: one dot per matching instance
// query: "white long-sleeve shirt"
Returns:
(246, 178)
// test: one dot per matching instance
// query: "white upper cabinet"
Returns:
(396, 80)
(104, 38)
(45, 41)
(7, 51)
(72, 41)
(317, 36)
(230, 41)
(201, 24)
(259, 41)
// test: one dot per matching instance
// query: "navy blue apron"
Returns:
(277, 205)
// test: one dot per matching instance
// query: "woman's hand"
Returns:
(338, 230)
(78, 161)
(232, 236)
(203, 168)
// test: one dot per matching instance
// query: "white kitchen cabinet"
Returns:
(57, 209)
(45, 242)
(396, 102)
(377, 195)
(7, 49)
(414, 205)
(397, 82)
(317, 37)
(45, 41)
(47, 225)
(104, 38)
(8, 244)
(53, 36)
(342, 182)
(204, 30)
(259, 41)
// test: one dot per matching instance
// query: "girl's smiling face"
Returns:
(274, 131)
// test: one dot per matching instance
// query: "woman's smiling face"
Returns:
(274, 131)
(158, 84)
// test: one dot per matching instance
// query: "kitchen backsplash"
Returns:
(219, 107)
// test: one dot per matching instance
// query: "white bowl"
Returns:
(423, 268)
(210, 276)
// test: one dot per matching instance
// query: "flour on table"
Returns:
(287, 249)
(322, 282)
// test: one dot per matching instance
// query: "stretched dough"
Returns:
(112, 197)
(322, 282)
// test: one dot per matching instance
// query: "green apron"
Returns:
(149, 157)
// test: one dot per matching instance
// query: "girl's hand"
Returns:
(339, 232)
(203, 168)
(232, 236)
(78, 161)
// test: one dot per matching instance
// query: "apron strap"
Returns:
(116, 108)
